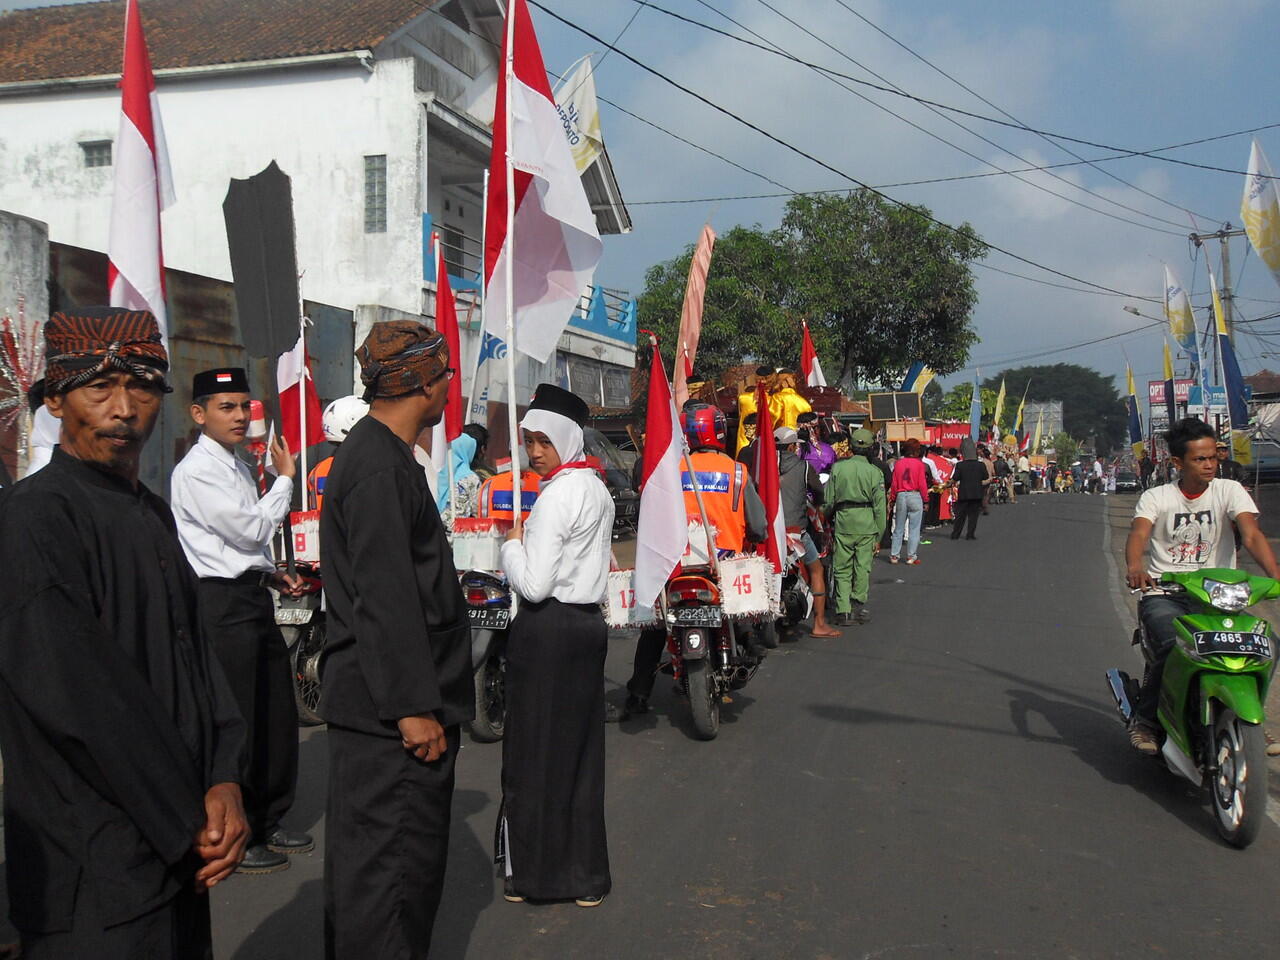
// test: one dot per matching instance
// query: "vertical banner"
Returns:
(1182, 322)
(1135, 417)
(695, 292)
(1260, 210)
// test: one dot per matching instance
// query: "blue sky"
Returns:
(1133, 73)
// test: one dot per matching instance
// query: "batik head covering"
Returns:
(83, 344)
(399, 357)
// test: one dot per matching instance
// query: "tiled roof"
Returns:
(86, 39)
(1264, 381)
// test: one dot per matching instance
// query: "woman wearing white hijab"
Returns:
(551, 831)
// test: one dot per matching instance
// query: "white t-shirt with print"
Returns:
(1188, 534)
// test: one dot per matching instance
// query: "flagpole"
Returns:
(513, 427)
(475, 366)
(302, 390)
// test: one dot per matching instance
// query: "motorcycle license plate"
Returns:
(489, 618)
(697, 616)
(293, 616)
(1209, 642)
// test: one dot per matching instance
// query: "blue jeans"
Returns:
(1158, 614)
(908, 511)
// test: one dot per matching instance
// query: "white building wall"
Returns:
(317, 123)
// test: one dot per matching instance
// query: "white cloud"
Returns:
(1194, 27)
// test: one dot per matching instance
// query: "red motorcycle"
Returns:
(708, 656)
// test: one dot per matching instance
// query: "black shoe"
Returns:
(287, 841)
(259, 859)
(955, 536)
(971, 537)
(635, 705)
(862, 614)
(614, 713)
(845, 620)
(509, 892)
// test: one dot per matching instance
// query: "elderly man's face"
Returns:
(108, 420)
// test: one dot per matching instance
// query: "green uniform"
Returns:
(856, 493)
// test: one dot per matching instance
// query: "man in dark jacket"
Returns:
(122, 742)
(397, 674)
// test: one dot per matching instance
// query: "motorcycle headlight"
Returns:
(1231, 597)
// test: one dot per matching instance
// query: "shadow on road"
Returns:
(295, 930)
(308, 805)
(1098, 739)
(469, 886)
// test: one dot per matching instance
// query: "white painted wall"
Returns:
(317, 123)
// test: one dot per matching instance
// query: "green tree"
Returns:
(954, 405)
(1065, 450)
(881, 285)
(1091, 405)
(745, 318)
(931, 400)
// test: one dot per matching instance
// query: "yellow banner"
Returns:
(1260, 210)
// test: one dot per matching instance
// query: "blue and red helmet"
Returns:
(704, 426)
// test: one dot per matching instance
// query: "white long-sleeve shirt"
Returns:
(223, 525)
(566, 546)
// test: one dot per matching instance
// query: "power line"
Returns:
(1053, 350)
(822, 163)
(942, 106)
(963, 86)
(832, 75)
(933, 180)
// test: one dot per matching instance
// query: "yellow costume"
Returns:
(785, 407)
(746, 406)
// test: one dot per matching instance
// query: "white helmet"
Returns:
(341, 415)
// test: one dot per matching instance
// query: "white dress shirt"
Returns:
(45, 429)
(223, 525)
(566, 547)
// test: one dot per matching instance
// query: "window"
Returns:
(452, 241)
(97, 153)
(375, 194)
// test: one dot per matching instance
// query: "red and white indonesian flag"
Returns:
(552, 244)
(769, 482)
(447, 327)
(809, 365)
(662, 533)
(695, 292)
(293, 379)
(143, 186)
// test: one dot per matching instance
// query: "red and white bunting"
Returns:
(293, 380)
(809, 365)
(769, 482)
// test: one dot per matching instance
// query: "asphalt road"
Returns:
(949, 781)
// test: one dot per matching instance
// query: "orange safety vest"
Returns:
(315, 483)
(722, 482)
(495, 501)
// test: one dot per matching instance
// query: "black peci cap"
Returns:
(547, 396)
(224, 380)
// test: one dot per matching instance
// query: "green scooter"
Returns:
(1212, 694)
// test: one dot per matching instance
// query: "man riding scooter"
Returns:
(1187, 526)
(733, 507)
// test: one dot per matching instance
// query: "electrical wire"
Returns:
(1054, 350)
(836, 78)
(653, 71)
(965, 87)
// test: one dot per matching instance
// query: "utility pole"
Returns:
(1224, 289)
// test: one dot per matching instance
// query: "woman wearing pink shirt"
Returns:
(909, 490)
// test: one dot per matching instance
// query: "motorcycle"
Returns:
(488, 599)
(708, 657)
(1212, 693)
(797, 597)
(302, 624)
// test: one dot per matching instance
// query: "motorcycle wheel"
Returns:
(704, 700)
(1238, 790)
(491, 700)
(305, 658)
(766, 632)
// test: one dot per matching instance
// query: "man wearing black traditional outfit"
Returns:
(121, 740)
(397, 674)
(551, 832)
(226, 533)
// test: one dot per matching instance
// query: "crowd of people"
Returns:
(148, 726)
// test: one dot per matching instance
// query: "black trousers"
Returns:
(644, 667)
(552, 838)
(177, 930)
(965, 513)
(386, 846)
(239, 620)
(933, 510)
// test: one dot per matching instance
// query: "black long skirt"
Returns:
(551, 834)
